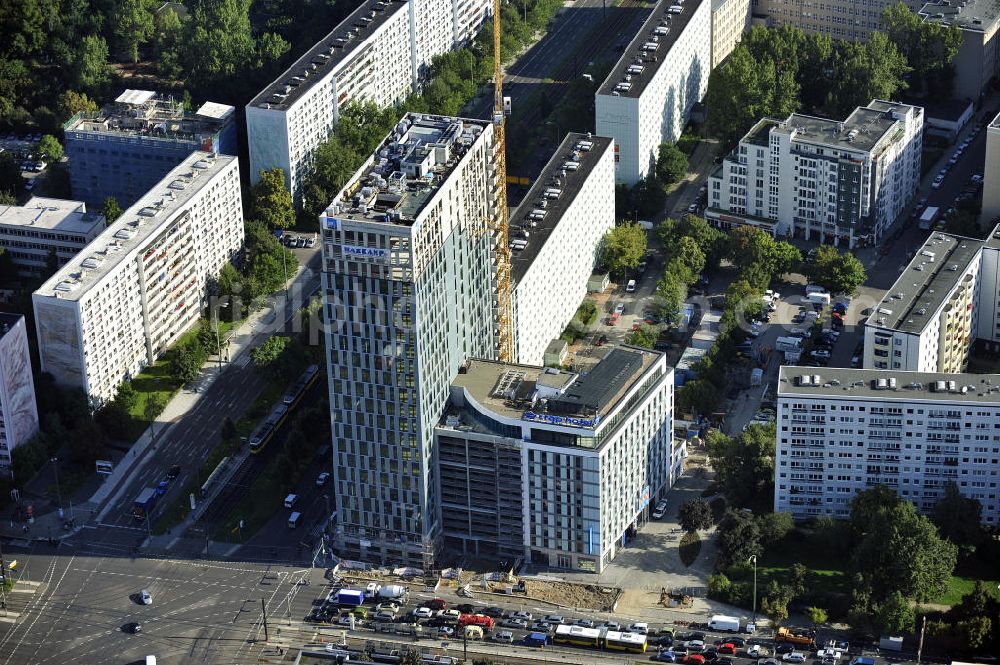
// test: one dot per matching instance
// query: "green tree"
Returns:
(774, 527)
(624, 247)
(111, 210)
(71, 103)
(816, 615)
(759, 256)
(127, 396)
(975, 632)
(670, 295)
(929, 47)
(644, 336)
(49, 149)
(958, 517)
(895, 616)
(900, 552)
(695, 514)
(737, 539)
(687, 260)
(155, 405)
(132, 25)
(11, 181)
(698, 396)
(775, 608)
(92, 70)
(271, 202)
(671, 164)
(836, 272)
(186, 360)
(744, 466)
(266, 355)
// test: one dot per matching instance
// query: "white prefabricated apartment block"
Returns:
(842, 431)
(647, 98)
(408, 280)
(42, 225)
(839, 182)
(379, 54)
(129, 294)
(555, 236)
(730, 19)
(18, 412)
(557, 468)
(944, 300)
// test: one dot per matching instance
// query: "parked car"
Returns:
(145, 597)
(423, 613)
(542, 627)
(695, 645)
(630, 287)
(694, 659)
(794, 657)
(665, 657)
(495, 612)
(694, 635)
(504, 636)
(554, 619)
(514, 622)
(584, 623)
(465, 608)
(784, 647)
(135, 628)
(522, 615)
(438, 604)
(445, 631)
(322, 478)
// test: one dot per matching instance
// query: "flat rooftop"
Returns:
(862, 130)
(513, 390)
(760, 133)
(580, 149)
(976, 15)
(52, 215)
(924, 285)
(993, 240)
(136, 225)
(888, 384)
(145, 113)
(649, 48)
(326, 54)
(407, 169)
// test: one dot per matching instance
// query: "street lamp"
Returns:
(753, 558)
(55, 469)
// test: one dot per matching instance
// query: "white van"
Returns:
(290, 500)
(293, 520)
(150, 660)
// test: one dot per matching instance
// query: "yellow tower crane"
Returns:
(505, 311)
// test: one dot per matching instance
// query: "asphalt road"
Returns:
(186, 443)
(202, 612)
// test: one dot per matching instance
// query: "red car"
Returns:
(437, 604)
(728, 647)
(694, 659)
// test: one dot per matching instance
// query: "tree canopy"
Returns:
(744, 465)
(835, 271)
(695, 514)
(760, 257)
(624, 247)
(271, 202)
(671, 164)
(929, 47)
(774, 72)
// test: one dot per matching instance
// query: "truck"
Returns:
(818, 298)
(143, 504)
(392, 592)
(788, 344)
(724, 623)
(351, 597)
(806, 638)
(928, 217)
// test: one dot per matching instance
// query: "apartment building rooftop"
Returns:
(648, 50)
(51, 215)
(862, 130)
(326, 54)
(977, 15)
(134, 226)
(144, 113)
(888, 384)
(407, 169)
(993, 239)
(553, 396)
(925, 283)
(539, 214)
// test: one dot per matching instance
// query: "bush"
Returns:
(690, 547)
(719, 587)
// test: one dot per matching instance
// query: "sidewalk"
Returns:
(251, 332)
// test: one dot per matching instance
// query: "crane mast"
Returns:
(505, 315)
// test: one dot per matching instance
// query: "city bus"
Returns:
(578, 636)
(633, 642)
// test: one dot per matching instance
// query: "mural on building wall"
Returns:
(21, 417)
(59, 344)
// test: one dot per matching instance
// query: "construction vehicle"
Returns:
(806, 638)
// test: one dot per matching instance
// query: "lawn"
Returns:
(826, 571)
(154, 380)
(965, 577)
